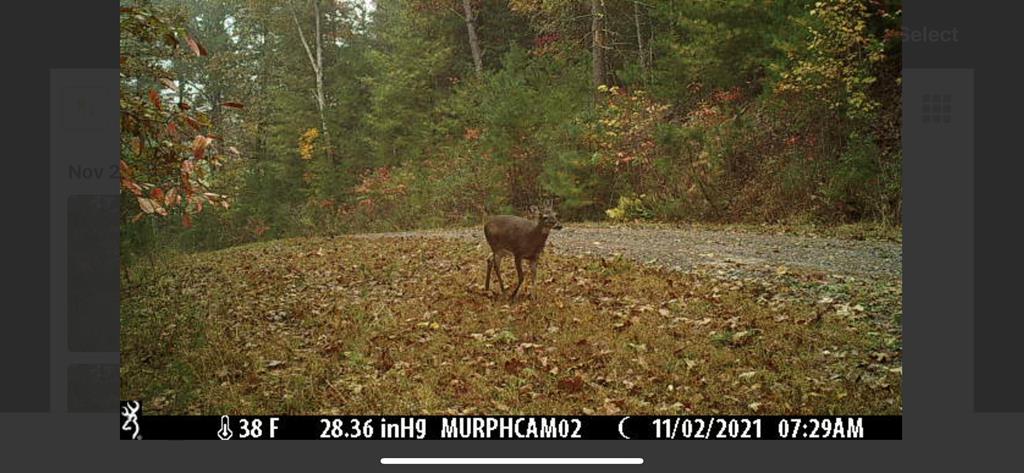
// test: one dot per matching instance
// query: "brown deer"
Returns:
(521, 238)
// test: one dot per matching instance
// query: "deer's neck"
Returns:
(539, 235)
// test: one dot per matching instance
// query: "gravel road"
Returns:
(732, 250)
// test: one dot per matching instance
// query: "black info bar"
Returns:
(135, 425)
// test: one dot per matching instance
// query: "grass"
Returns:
(403, 326)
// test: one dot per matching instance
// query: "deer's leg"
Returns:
(497, 271)
(487, 283)
(533, 276)
(519, 274)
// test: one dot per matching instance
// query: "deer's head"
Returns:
(547, 218)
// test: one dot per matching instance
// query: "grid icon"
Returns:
(936, 108)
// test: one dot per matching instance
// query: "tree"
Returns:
(641, 60)
(168, 149)
(474, 43)
(676, 109)
(317, 65)
(597, 41)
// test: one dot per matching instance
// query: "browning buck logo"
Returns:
(130, 417)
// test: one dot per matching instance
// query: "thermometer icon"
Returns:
(225, 430)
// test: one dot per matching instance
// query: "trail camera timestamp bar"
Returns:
(345, 428)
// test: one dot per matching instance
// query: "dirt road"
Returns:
(727, 250)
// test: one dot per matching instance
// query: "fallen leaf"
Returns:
(572, 384)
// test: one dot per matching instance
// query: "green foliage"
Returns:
(837, 63)
(709, 46)
(629, 208)
(727, 111)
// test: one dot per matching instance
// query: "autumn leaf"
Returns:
(131, 186)
(154, 97)
(199, 146)
(150, 206)
(194, 45)
(612, 407)
(171, 197)
(169, 84)
(126, 172)
(232, 105)
(571, 384)
(513, 365)
(146, 205)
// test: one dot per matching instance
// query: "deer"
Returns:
(520, 238)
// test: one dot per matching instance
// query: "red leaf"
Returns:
(172, 128)
(155, 98)
(193, 122)
(184, 105)
(194, 45)
(157, 194)
(573, 384)
(186, 220)
(232, 104)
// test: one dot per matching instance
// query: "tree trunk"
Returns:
(317, 64)
(597, 34)
(320, 99)
(474, 42)
(650, 55)
(639, 40)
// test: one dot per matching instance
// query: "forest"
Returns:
(304, 186)
(254, 120)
